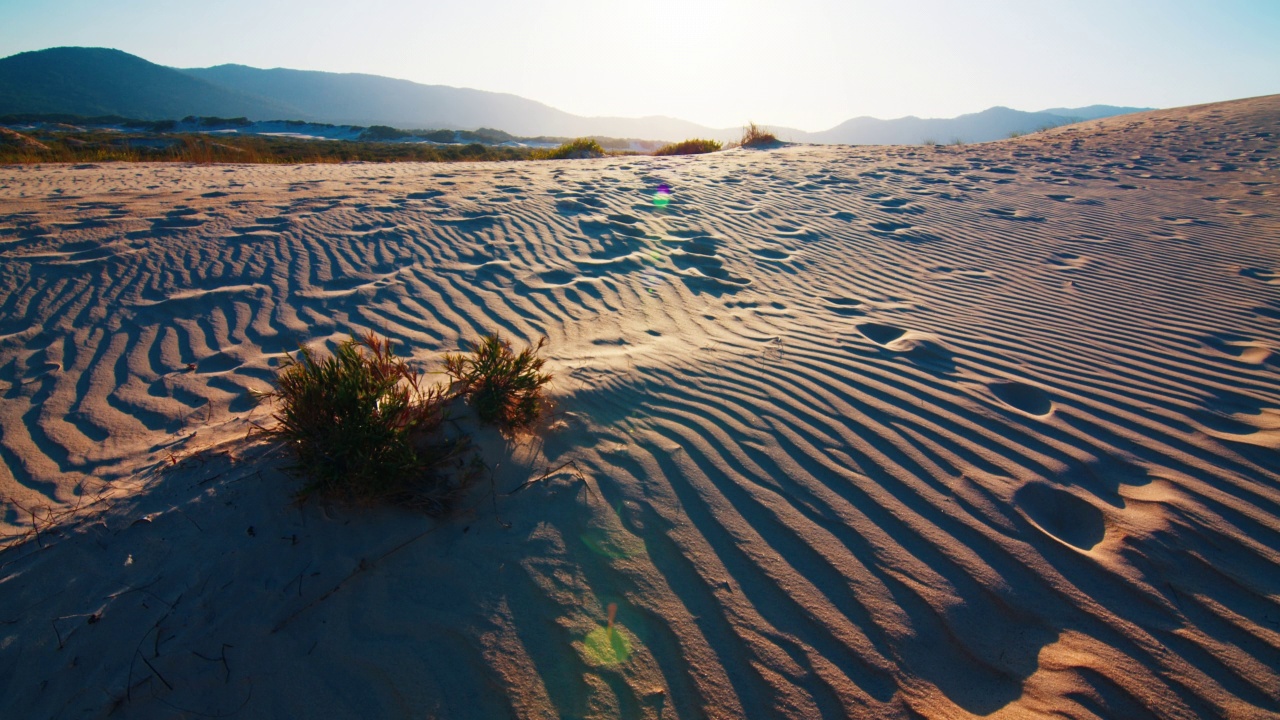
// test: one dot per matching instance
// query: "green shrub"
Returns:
(439, 136)
(362, 424)
(573, 150)
(504, 387)
(223, 122)
(487, 135)
(689, 147)
(383, 132)
(756, 136)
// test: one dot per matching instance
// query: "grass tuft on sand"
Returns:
(755, 136)
(505, 387)
(689, 147)
(363, 424)
(578, 149)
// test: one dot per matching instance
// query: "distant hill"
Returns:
(1093, 112)
(355, 99)
(991, 124)
(98, 81)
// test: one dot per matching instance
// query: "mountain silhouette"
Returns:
(990, 124)
(99, 81)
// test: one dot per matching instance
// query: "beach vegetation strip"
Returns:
(95, 146)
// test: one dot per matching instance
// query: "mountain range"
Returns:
(101, 81)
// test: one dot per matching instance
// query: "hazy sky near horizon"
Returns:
(808, 64)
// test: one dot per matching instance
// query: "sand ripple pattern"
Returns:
(877, 432)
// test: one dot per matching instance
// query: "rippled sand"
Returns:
(854, 431)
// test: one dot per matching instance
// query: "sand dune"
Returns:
(855, 432)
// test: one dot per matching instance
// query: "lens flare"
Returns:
(652, 280)
(663, 196)
(607, 645)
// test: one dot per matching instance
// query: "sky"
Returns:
(806, 64)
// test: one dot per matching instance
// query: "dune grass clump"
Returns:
(689, 147)
(755, 136)
(505, 387)
(573, 150)
(362, 423)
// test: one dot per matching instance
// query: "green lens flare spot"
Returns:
(607, 646)
(663, 196)
(612, 546)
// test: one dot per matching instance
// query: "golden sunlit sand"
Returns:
(938, 432)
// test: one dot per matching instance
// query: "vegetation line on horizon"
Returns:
(202, 140)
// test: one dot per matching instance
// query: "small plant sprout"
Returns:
(505, 387)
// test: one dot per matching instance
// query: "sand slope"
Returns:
(856, 432)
